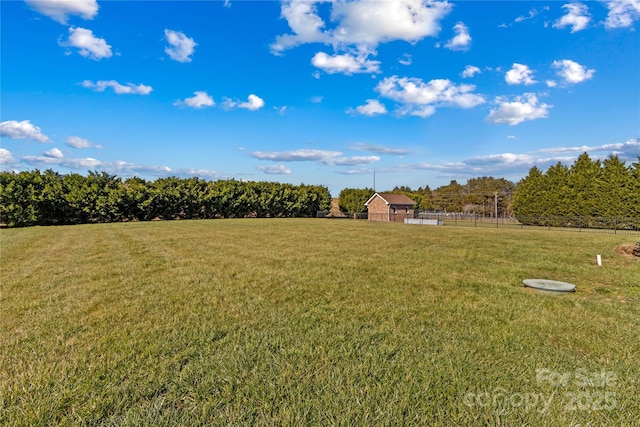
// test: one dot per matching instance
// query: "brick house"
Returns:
(386, 207)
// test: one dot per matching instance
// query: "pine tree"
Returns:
(615, 189)
(558, 198)
(529, 198)
(584, 180)
(633, 205)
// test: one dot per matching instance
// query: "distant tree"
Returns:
(480, 195)
(352, 200)
(449, 197)
(427, 198)
(422, 196)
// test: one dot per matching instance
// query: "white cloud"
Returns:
(627, 151)
(406, 59)
(362, 171)
(371, 108)
(380, 149)
(302, 155)
(622, 13)
(191, 172)
(572, 72)
(60, 10)
(180, 46)
(55, 153)
(525, 107)
(72, 163)
(200, 99)
(502, 158)
(87, 44)
(22, 130)
(360, 22)
(325, 157)
(502, 164)
(519, 74)
(577, 17)
(77, 142)
(532, 14)
(470, 71)
(515, 165)
(253, 103)
(352, 161)
(118, 167)
(421, 99)
(440, 167)
(129, 88)
(462, 39)
(6, 158)
(275, 169)
(374, 22)
(347, 63)
(419, 111)
(304, 22)
(551, 83)
(360, 25)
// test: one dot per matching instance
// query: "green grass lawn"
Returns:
(309, 321)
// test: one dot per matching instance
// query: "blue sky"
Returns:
(421, 92)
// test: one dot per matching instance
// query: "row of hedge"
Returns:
(49, 198)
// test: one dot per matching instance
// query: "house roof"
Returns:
(393, 199)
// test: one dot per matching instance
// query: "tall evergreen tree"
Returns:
(528, 199)
(615, 192)
(634, 191)
(558, 198)
(584, 180)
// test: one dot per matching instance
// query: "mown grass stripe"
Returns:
(309, 322)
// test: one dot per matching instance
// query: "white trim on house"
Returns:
(373, 197)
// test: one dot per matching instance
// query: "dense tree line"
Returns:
(423, 196)
(587, 189)
(49, 198)
(477, 196)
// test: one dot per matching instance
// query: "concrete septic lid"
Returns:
(549, 285)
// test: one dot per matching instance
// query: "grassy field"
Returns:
(315, 322)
